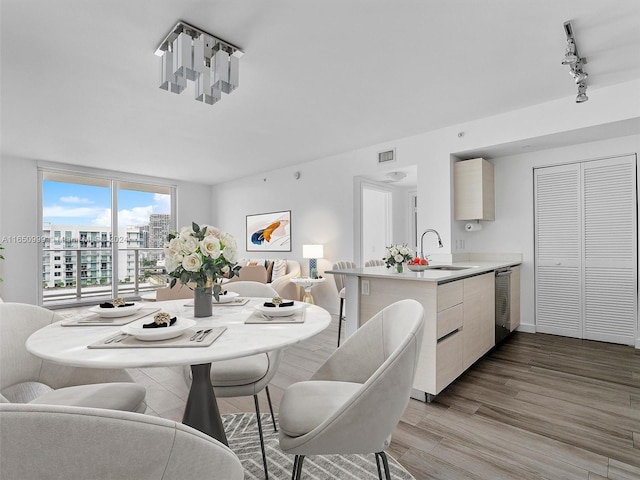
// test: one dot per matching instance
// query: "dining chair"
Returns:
(339, 279)
(246, 376)
(374, 263)
(61, 442)
(179, 291)
(25, 378)
(353, 402)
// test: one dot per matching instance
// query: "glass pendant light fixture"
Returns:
(191, 54)
(576, 64)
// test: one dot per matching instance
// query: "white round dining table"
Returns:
(68, 346)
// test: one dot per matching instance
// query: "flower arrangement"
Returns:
(397, 255)
(201, 255)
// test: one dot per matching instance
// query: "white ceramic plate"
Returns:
(279, 311)
(226, 298)
(160, 333)
(116, 311)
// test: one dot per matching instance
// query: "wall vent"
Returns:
(386, 157)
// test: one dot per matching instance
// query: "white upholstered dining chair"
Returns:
(246, 376)
(342, 291)
(60, 443)
(374, 263)
(353, 402)
(25, 378)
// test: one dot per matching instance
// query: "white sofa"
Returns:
(275, 272)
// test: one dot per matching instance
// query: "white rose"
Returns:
(393, 251)
(210, 246)
(174, 247)
(192, 262)
(399, 258)
(172, 262)
(209, 230)
(228, 241)
(230, 254)
(185, 233)
(190, 245)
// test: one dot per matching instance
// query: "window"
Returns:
(103, 231)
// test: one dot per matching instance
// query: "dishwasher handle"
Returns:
(503, 272)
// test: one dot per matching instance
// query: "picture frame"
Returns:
(269, 232)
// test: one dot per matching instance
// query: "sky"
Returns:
(75, 204)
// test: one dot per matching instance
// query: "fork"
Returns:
(204, 334)
(195, 335)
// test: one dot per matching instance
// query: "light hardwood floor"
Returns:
(537, 407)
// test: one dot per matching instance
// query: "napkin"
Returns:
(159, 325)
(284, 304)
(111, 305)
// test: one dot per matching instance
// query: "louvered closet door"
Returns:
(586, 250)
(558, 250)
(610, 250)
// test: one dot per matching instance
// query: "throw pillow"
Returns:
(268, 264)
(279, 269)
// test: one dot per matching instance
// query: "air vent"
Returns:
(386, 157)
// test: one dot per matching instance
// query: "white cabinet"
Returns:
(514, 287)
(473, 188)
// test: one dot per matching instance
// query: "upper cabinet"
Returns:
(474, 197)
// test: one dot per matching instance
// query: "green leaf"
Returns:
(173, 283)
(195, 226)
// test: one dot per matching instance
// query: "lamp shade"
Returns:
(312, 251)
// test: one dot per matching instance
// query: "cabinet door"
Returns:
(478, 317)
(473, 190)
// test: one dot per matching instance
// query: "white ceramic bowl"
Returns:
(279, 311)
(226, 298)
(116, 311)
(417, 268)
(160, 333)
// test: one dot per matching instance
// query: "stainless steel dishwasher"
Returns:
(503, 304)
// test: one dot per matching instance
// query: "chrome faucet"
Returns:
(422, 240)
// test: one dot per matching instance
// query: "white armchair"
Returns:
(60, 442)
(354, 401)
(25, 378)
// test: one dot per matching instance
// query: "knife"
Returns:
(204, 334)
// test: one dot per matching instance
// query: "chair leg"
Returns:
(297, 467)
(264, 455)
(340, 320)
(387, 474)
(273, 417)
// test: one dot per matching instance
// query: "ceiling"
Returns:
(79, 79)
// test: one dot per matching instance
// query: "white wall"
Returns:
(19, 206)
(322, 201)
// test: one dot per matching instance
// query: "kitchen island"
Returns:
(459, 304)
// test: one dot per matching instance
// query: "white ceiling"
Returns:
(80, 80)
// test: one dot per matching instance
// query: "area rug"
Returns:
(242, 433)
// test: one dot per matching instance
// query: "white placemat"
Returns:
(257, 317)
(95, 320)
(183, 340)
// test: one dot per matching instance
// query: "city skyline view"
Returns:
(78, 204)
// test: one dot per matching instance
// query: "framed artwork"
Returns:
(269, 232)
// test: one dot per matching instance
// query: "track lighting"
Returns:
(576, 64)
(189, 53)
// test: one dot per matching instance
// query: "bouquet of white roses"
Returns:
(397, 254)
(201, 255)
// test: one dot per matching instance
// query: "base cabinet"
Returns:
(459, 323)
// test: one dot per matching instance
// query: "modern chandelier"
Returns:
(189, 53)
(576, 64)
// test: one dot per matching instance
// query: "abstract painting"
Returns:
(269, 232)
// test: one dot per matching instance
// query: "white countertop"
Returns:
(431, 274)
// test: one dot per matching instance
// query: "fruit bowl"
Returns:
(417, 268)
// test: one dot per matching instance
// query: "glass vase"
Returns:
(399, 267)
(202, 304)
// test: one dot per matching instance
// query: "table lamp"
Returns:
(313, 252)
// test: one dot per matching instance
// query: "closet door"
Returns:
(586, 250)
(558, 250)
(610, 250)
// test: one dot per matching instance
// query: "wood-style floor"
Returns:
(537, 407)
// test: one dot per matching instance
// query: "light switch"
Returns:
(365, 287)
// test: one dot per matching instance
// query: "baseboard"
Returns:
(526, 327)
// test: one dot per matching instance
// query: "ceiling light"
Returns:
(576, 64)
(189, 53)
(396, 176)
